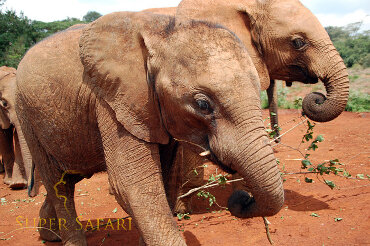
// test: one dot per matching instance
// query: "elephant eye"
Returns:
(298, 43)
(4, 103)
(204, 106)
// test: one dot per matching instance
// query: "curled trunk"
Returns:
(319, 108)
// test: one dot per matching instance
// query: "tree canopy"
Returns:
(91, 16)
(18, 33)
(352, 45)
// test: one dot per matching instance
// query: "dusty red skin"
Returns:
(345, 137)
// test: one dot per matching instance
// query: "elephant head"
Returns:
(7, 85)
(191, 81)
(286, 42)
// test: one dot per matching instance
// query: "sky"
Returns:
(329, 12)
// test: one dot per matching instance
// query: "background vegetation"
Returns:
(18, 34)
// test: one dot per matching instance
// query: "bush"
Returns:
(358, 102)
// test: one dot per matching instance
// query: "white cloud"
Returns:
(342, 20)
(51, 10)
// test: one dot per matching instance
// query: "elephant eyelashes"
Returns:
(298, 43)
(204, 106)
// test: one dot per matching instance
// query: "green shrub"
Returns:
(358, 102)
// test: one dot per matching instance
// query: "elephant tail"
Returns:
(31, 180)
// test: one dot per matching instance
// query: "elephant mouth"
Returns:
(301, 74)
(212, 157)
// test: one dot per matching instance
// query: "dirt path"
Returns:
(308, 217)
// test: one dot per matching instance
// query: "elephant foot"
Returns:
(18, 184)
(47, 215)
(48, 235)
(7, 180)
(183, 206)
(2, 168)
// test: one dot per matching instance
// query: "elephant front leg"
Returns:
(7, 154)
(19, 179)
(134, 172)
(273, 109)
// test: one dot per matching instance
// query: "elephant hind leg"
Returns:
(58, 211)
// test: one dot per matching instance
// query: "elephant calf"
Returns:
(13, 148)
(116, 93)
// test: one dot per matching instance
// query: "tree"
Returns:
(16, 35)
(45, 29)
(91, 16)
(352, 45)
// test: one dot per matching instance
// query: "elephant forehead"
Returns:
(292, 17)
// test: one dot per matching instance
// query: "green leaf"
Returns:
(211, 178)
(307, 180)
(330, 184)
(315, 215)
(195, 171)
(221, 179)
(305, 163)
(320, 138)
(360, 176)
(338, 219)
(211, 201)
(114, 210)
(183, 216)
(272, 113)
(346, 174)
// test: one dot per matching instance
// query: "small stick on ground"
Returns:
(267, 223)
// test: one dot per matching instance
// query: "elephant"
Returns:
(119, 94)
(14, 150)
(286, 42)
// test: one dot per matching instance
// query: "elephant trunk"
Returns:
(319, 108)
(254, 160)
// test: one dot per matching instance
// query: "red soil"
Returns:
(346, 138)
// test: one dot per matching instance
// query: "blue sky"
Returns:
(329, 12)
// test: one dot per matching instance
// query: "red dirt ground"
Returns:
(346, 138)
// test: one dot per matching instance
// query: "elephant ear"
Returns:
(248, 12)
(115, 54)
(5, 71)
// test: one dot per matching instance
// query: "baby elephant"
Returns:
(118, 92)
(13, 148)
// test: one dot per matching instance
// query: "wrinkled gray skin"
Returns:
(13, 147)
(115, 94)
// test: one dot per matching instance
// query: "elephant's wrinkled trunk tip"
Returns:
(263, 180)
(319, 108)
